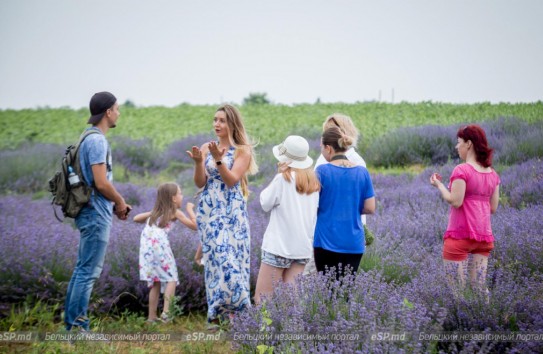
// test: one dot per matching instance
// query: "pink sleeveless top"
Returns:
(472, 219)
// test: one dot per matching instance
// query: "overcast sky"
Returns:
(59, 52)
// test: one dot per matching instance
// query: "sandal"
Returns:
(165, 318)
(213, 327)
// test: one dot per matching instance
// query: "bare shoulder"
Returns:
(243, 150)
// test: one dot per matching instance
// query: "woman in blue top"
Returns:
(346, 193)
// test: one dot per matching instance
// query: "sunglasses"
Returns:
(334, 121)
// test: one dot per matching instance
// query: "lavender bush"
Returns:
(401, 287)
(328, 309)
(403, 269)
(137, 156)
(414, 145)
(29, 168)
(34, 254)
(175, 156)
(38, 257)
(522, 185)
(514, 141)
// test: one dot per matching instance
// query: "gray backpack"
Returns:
(68, 186)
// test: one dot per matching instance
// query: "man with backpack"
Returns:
(95, 218)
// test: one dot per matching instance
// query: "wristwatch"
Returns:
(218, 163)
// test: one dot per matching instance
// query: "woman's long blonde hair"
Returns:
(164, 210)
(240, 140)
(306, 180)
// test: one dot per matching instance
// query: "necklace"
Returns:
(339, 157)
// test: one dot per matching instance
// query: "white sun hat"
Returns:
(294, 150)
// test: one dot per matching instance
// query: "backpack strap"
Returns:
(55, 211)
(83, 136)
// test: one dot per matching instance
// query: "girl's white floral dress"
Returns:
(157, 263)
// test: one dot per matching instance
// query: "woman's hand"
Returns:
(199, 255)
(455, 197)
(435, 179)
(282, 167)
(196, 154)
(215, 151)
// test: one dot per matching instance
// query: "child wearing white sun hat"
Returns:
(293, 199)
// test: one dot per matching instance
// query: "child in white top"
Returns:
(293, 198)
(156, 262)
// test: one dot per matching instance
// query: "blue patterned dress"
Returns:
(224, 232)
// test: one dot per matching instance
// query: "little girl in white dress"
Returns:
(156, 262)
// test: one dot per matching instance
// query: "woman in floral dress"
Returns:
(221, 169)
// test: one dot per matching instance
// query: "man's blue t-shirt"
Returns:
(343, 192)
(94, 151)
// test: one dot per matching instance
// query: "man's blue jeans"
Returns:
(90, 260)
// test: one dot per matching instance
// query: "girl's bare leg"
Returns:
(291, 273)
(169, 293)
(267, 275)
(154, 294)
(477, 273)
(456, 273)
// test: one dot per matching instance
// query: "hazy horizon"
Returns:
(58, 53)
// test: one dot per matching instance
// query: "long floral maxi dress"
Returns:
(224, 232)
(157, 263)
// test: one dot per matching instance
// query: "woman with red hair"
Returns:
(473, 194)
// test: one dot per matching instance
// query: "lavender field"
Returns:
(401, 285)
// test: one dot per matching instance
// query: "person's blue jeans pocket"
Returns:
(90, 260)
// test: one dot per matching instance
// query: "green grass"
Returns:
(391, 272)
(412, 170)
(41, 318)
(265, 123)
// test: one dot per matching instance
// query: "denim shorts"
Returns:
(281, 262)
